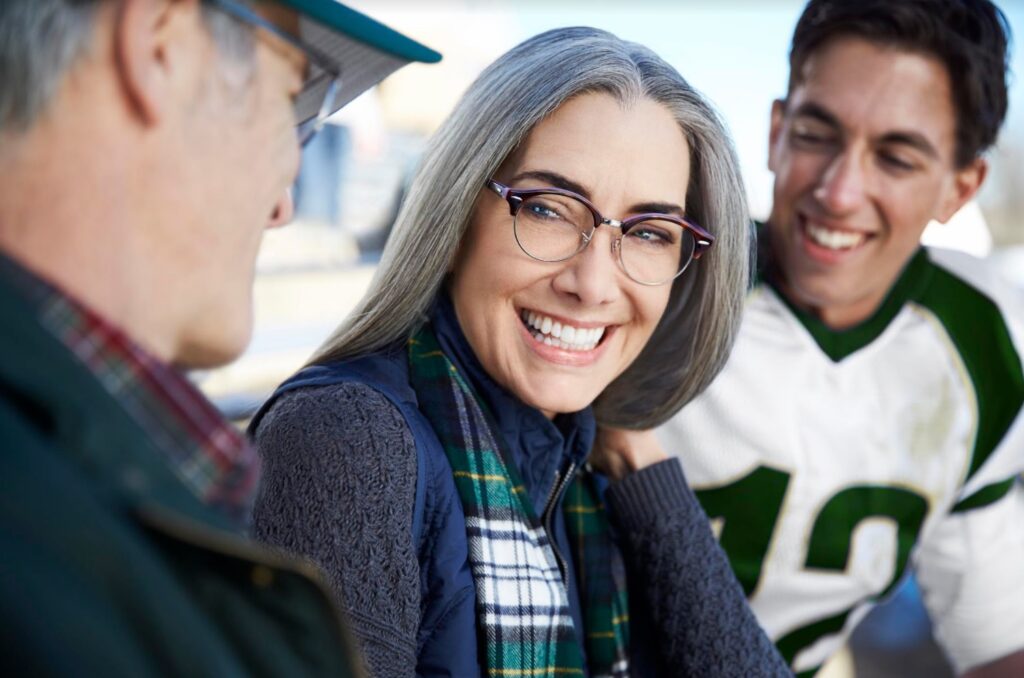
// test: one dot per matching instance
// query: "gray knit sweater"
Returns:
(339, 479)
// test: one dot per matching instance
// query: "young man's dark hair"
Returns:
(976, 57)
(874, 401)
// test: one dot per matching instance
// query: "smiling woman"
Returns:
(574, 248)
(642, 158)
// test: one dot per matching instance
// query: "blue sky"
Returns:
(735, 52)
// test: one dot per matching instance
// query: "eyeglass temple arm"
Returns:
(328, 103)
(514, 201)
(703, 244)
(324, 62)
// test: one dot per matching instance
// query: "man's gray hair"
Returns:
(41, 39)
(498, 111)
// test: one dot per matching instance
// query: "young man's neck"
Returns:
(834, 317)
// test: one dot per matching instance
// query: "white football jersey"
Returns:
(832, 462)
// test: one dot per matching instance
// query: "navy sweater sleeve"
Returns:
(699, 613)
(339, 477)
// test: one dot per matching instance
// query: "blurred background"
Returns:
(312, 273)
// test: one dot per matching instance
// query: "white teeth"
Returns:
(834, 240)
(553, 333)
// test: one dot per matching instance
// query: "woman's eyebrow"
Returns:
(657, 208)
(553, 179)
(556, 180)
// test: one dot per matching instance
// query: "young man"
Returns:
(867, 423)
(144, 147)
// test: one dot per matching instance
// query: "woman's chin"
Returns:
(552, 403)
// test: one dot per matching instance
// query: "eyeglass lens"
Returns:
(552, 227)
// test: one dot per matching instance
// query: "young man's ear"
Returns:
(156, 47)
(963, 186)
(775, 130)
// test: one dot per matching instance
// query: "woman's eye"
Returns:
(543, 211)
(650, 236)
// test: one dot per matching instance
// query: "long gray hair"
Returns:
(497, 112)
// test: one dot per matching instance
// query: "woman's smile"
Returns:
(561, 333)
(557, 333)
(564, 342)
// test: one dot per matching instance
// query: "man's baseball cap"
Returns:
(365, 51)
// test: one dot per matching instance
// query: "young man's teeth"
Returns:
(553, 333)
(834, 240)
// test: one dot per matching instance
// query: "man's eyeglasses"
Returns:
(320, 69)
(553, 224)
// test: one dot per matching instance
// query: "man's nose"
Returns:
(842, 187)
(284, 210)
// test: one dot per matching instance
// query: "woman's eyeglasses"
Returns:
(553, 224)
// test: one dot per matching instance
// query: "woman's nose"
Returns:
(593, 275)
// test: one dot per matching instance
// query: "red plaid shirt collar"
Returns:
(205, 451)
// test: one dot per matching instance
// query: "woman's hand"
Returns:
(618, 452)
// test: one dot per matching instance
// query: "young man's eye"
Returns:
(803, 138)
(896, 162)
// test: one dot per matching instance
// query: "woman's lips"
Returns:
(560, 341)
(554, 332)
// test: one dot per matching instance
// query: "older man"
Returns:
(144, 147)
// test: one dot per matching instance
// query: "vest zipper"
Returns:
(561, 482)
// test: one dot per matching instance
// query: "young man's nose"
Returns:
(842, 187)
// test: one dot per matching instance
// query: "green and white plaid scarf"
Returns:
(521, 600)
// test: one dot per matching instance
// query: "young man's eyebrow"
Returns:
(817, 112)
(911, 138)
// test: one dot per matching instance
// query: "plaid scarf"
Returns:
(521, 599)
(208, 454)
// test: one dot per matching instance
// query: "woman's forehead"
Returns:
(631, 152)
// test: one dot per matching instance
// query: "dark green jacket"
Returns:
(109, 565)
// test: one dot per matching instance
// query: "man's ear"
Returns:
(963, 186)
(775, 129)
(155, 47)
